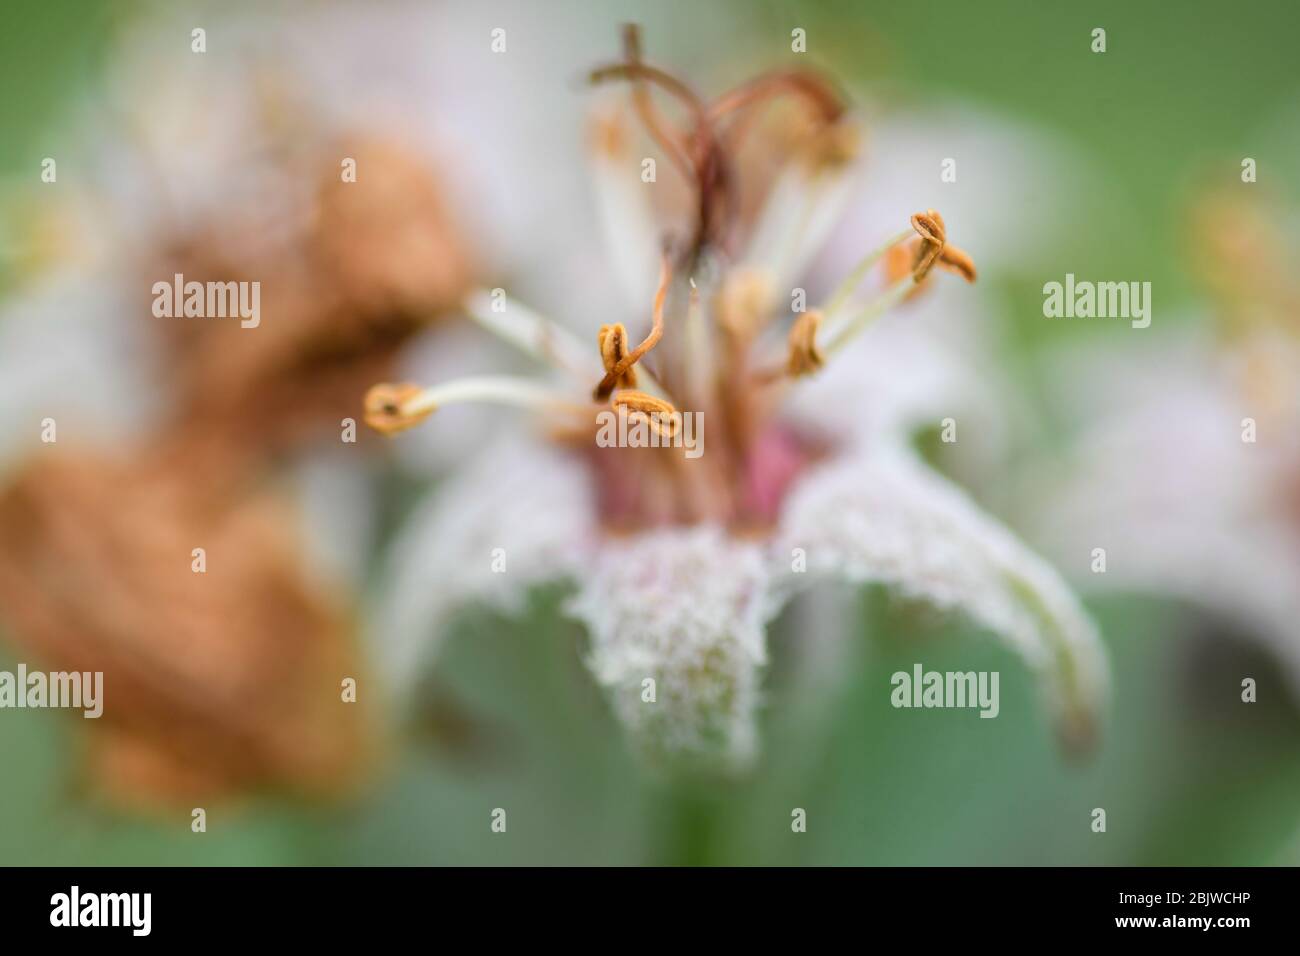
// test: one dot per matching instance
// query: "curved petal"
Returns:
(881, 515)
(454, 551)
(685, 608)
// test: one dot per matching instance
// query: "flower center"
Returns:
(709, 363)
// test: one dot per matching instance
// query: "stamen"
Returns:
(849, 329)
(644, 71)
(901, 259)
(743, 304)
(697, 153)
(394, 408)
(672, 143)
(613, 349)
(698, 358)
(810, 86)
(933, 247)
(535, 335)
(659, 414)
(617, 370)
(805, 357)
(845, 289)
(929, 225)
(956, 260)
(833, 145)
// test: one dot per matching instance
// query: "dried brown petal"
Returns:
(215, 683)
(387, 241)
(344, 286)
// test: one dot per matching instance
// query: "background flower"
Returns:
(1097, 151)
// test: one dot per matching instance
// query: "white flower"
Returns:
(677, 564)
(1182, 462)
(1189, 510)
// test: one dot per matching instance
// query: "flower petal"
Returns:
(516, 517)
(1155, 472)
(65, 355)
(685, 608)
(881, 515)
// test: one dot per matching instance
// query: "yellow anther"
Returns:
(615, 373)
(743, 304)
(393, 408)
(805, 357)
(614, 350)
(661, 416)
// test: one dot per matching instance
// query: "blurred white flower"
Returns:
(1181, 456)
(679, 565)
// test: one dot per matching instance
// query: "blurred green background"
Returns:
(1184, 780)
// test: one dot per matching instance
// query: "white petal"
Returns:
(804, 208)
(1163, 482)
(65, 355)
(880, 515)
(1012, 199)
(520, 501)
(685, 608)
(627, 220)
(901, 374)
(336, 498)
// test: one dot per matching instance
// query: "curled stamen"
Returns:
(622, 365)
(906, 264)
(805, 357)
(932, 248)
(659, 414)
(394, 408)
(834, 147)
(955, 260)
(696, 151)
(834, 143)
(929, 226)
(644, 71)
(670, 141)
(812, 87)
(613, 350)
